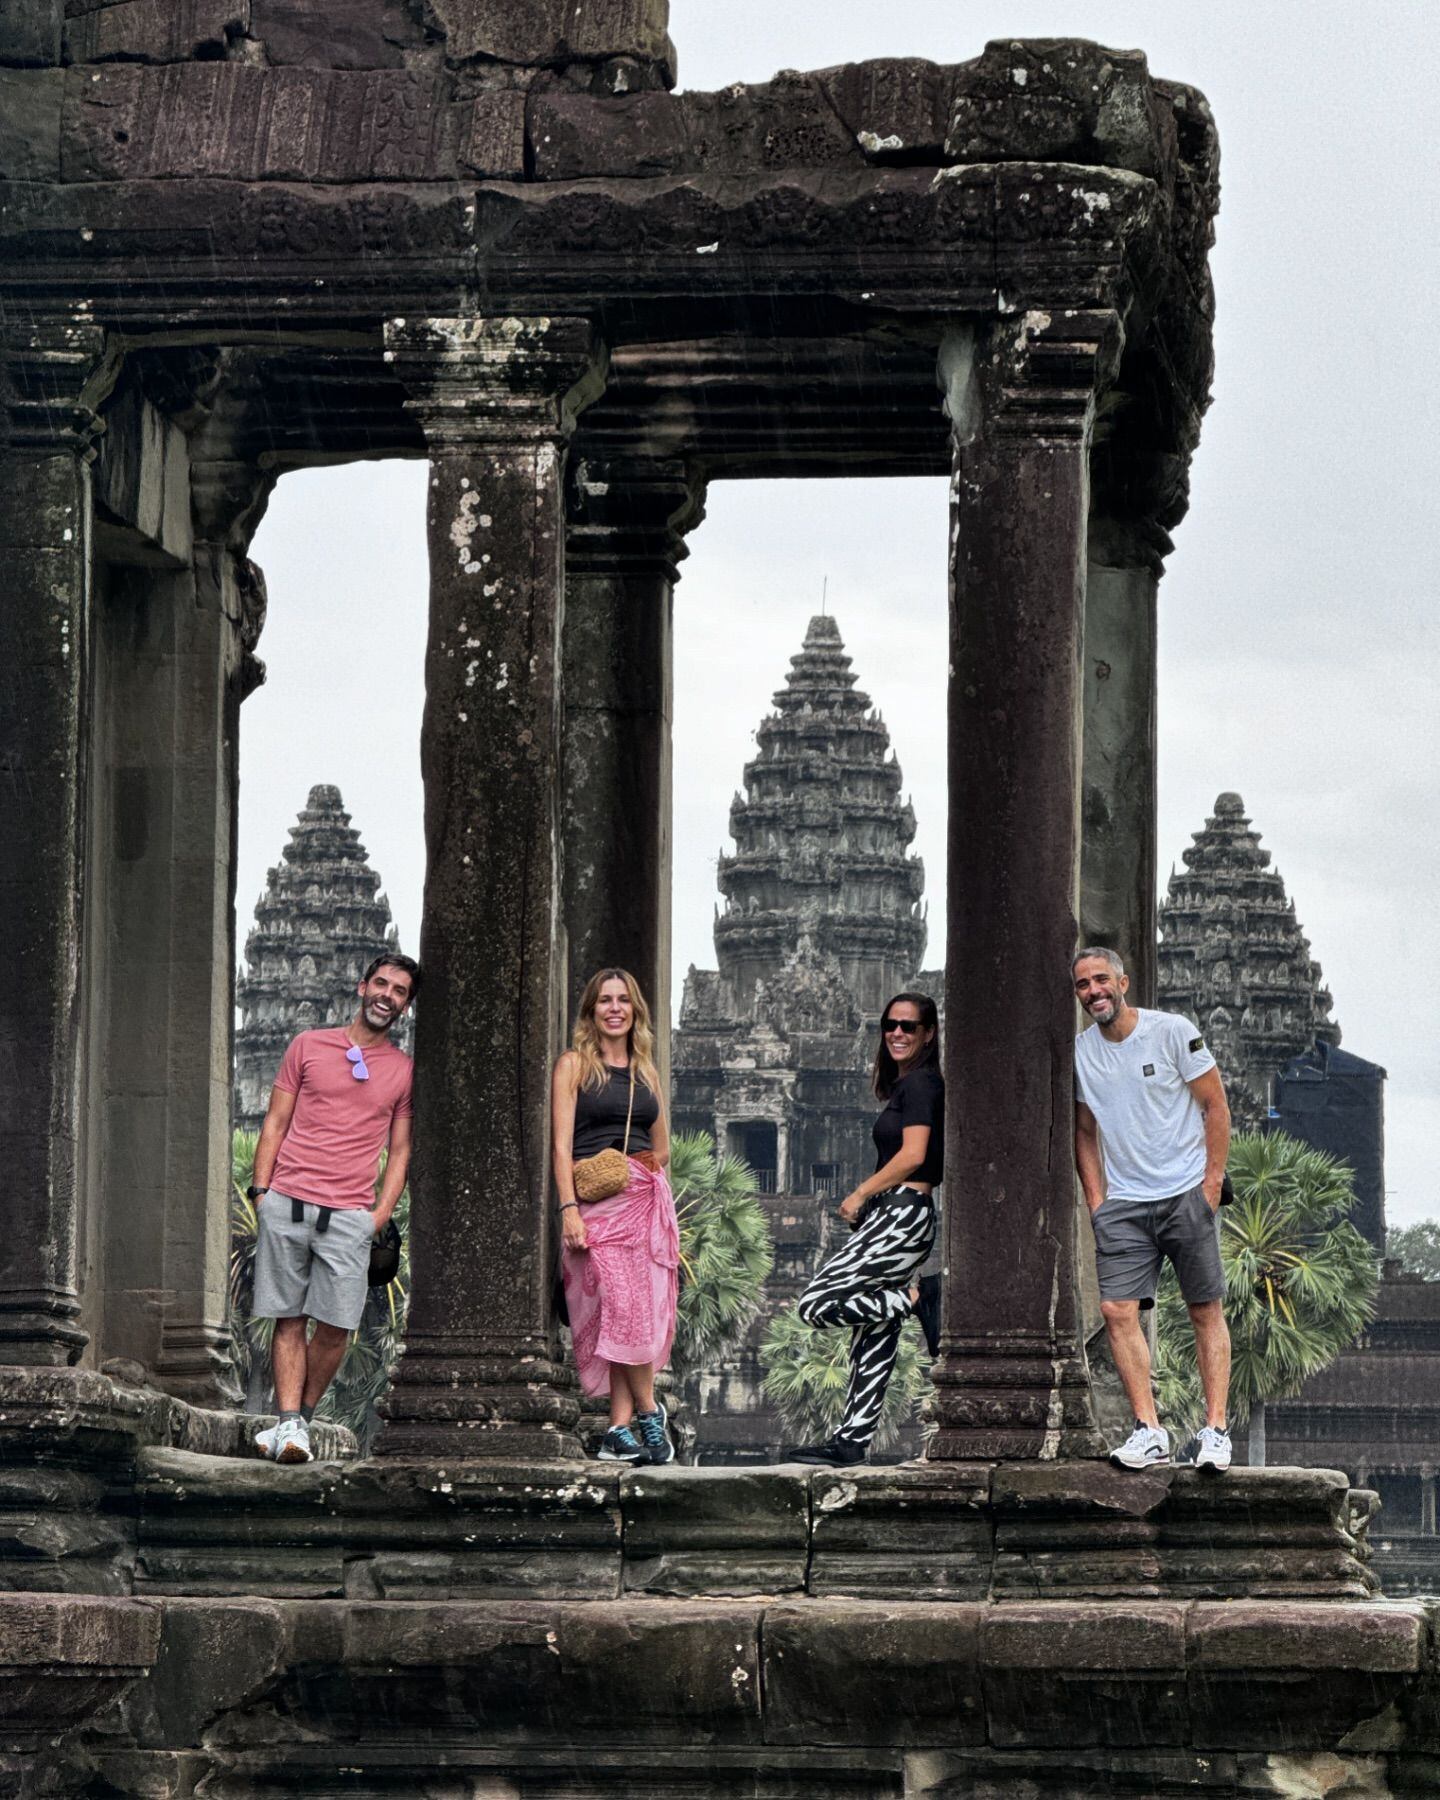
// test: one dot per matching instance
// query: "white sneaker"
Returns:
(264, 1442)
(1147, 1447)
(292, 1441)
(1213, 1452)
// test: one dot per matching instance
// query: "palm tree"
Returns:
(1300, 1282)
(725, 1250)
(807, 1372)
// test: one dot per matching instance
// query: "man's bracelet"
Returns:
(569, 1205)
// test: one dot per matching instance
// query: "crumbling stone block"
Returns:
(554, 31)
(31, 32)
(636, 135)
(227, 119)
(919, 1530)
(715, 1531)
(856, 1672)
(62, 1657)
(30, 101)
(335, 34)
(642, 1671)
(158, 31)
(787, 123)
(897, 109)
(1080, 1674)
(1299, 1675)
(1043, 99)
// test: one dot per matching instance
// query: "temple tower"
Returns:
(822, 923)
(821, 832)
(1233, 957)
(319, 921)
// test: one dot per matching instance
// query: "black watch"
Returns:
(254, 1193)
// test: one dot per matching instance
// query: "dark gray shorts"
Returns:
(302, 1272)
(1133, 1238)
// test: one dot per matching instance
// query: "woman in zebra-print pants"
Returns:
(870, 1285)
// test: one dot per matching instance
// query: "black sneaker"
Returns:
(620, 1444)
(651, 1429)
(837, 1454)
(927, 1311)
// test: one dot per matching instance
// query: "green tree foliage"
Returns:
(725, 1250)
(370, 1358)
(807, 1371)
(1417, 1248)
(1300, 1282)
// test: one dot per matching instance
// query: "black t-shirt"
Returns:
(600, 1116)
(919, 1099)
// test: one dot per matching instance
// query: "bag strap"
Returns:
(630, 1108)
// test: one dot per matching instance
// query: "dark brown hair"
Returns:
(885, 1074)
(392, 959)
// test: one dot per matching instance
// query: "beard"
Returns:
(379, 1022)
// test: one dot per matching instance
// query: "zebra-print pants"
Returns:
(867, 1286)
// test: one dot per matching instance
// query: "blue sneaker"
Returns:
(654, 1436)
(620, 1444)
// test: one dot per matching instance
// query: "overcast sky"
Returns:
(1298, 645)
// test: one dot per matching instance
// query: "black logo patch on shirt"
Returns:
(1196, 1044)
(1149, 1069)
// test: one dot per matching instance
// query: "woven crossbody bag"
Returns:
(607, 1173)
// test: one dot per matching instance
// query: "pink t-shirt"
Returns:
(331, 1153)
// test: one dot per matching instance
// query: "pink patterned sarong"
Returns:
(621, 1291)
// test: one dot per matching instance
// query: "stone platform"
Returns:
(178, 1619)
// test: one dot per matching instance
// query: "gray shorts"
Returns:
(302, 1272)
(1133, 1237)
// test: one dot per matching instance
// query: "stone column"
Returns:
(1011, 1379)
(174, 625)
(1118, 813)
(50, 378)
(497, 399)
(624, 540)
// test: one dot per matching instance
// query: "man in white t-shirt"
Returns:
(1152, 1132)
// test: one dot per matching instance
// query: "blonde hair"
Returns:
(640, 1042)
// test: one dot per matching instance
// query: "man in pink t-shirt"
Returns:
(342, 1095)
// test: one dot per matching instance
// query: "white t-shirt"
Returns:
(1152, 1131)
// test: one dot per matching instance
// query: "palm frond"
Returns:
(1300, 1280)
(725, 1250)
(807, 1374)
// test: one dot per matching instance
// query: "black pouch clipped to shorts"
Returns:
(385, 1255)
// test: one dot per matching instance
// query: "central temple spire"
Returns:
(822, 834)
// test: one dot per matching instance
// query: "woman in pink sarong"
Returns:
(620, 1257)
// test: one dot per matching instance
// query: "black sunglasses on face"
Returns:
(908, 1026)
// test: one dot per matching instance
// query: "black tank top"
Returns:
(600, 1116)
